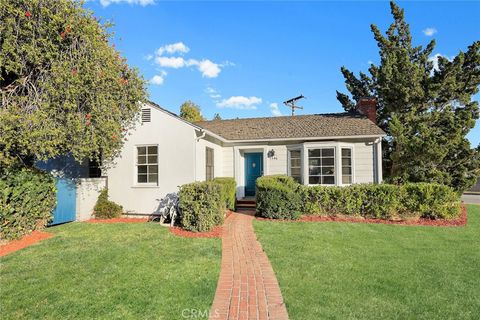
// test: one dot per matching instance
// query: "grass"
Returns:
(109, 271)
(364, 271)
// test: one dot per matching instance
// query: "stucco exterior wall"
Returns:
(176, 141)
(88, 190)
(227, 165)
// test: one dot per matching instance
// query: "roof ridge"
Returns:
(345, 113)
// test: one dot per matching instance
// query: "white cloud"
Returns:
(209, 69)
(158, 79)
(275, 110)
(106, 3)
(213, 93)
(429, 31)
(173, 48)
(240, 102)
(148, 57)
(434, 59)
(170, 62)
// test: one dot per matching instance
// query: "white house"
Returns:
(165, 151)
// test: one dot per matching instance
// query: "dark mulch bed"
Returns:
(25, 241)
(460, 221)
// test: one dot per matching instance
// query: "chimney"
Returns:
(368, 107)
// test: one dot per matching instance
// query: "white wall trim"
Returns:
(239, 164)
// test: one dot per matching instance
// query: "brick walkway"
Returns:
(247, 287)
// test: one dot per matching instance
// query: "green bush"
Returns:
(385, 201)
(431, 200)
(202, 206)
(106, 209)
(228, 191)
(278, 197)
(27, 199)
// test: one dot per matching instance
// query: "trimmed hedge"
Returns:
(278, 197)
(202, 206)
(106, 209)
(228, 191)
(27, 199)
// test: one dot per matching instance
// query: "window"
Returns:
(146, 115)
(296, 165)
(346, 166)
(321, 166)
(94, 168)
(209, 164)
(147, 164)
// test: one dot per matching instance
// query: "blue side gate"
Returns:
(65, 211)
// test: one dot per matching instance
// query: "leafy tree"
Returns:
(191, 112)
(427, 111)
(217, 116)
(64, 88)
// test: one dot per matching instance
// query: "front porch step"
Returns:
(246, 204)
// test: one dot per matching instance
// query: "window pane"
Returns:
(314, 153)
(142, 150)
(152, 150)
(294, 171)
(314, 180)
(346, 170)
(328, 180)
(347, 179)
(152, 159)
(346, 162)
(314, 162)
(153, 169)
(142, 169)
(328, 152)
(153, 178)
(295, 154)
(328, 170)
(346, 152)
(328, 161)
(142, 159)
(297, 178)
(314, 171)
(142, 178)
(296, 163)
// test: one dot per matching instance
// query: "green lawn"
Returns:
(358, 271)
(116, 271)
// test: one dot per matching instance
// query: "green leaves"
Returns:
(56, 66)
(191, 112)
(426, 108)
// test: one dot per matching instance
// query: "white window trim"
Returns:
(338, 160)
(136, 184)
(293, 148)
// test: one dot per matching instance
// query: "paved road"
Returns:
(471, 198)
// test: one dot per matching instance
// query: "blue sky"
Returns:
(242, 59)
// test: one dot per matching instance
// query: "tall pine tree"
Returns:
(426, 109)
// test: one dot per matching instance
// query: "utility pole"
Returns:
(291, 103)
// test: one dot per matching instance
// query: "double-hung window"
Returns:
(347, 166)
(209, 164)
(147, 165)
(296, 165)
(321, 166)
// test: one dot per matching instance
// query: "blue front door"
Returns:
(66, 201)
(253, 170)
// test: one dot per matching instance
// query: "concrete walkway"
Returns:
(247, 287)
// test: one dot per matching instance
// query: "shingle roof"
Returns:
(302, 126)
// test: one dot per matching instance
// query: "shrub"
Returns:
(201, 205)
(385, 201)
(27, 199)
(106, 209)
(278, 197)
(228, 191)
(431, 200)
